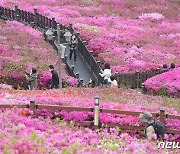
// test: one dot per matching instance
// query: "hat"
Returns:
(146, 117)
(51, 66)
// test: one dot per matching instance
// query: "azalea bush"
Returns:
(28, 50)
(130, 35)
(165, 84)
(84, 98)
(24, 133)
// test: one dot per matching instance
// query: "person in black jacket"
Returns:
(73, 46)
(165, 68)
(55, 78)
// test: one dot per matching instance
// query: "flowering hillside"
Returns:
(130, 35)
(24, 134)
(22, 48)
(166, 83)
(121, 99)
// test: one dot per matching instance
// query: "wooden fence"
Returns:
(40, 22)
(136, 80)
(96, 110)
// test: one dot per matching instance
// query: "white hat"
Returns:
(146, 117)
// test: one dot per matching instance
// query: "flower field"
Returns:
(22, 133)
(27, 135)
(165, 84)
(22, 53)
(130, 35)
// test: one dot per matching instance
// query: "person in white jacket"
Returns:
(106, 74)
(113, 81)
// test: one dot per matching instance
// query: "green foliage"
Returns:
(171, 60)
(118, 130)
(92, 28)
(110, 144)
(41, 140)
(162, 92)
(13, 67)
(88, 2)
(34, 135)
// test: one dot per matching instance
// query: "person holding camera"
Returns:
(73, 46)
(32, 79)
(106, 74)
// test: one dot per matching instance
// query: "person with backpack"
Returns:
(152, 127)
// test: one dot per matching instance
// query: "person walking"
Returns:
(152, 127)
(172, 66)
(32, 79)
(165, 68)
(91, 83)
(106, 75)
(73, 46)
(55, 78)
(113, 81)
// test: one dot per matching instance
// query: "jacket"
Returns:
(33, 81)
(55, 78)
(73, 44)
(106, 74)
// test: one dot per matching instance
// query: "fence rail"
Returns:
(162, 116)
(136, 80)
(37, 20)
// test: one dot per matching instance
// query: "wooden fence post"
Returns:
(36, 17)
(97, 72)
(143, 89)
(137, 79)
(162, 115)
(17, 13)
(77, 75)
(96, 112)
(53, 23)
(70, 28)
(81, 82)
(158, 71)
(72, 67)
(32, 106)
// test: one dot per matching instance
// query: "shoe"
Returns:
(75, 61)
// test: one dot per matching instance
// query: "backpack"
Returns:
(159, 128)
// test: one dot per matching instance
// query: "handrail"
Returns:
(37, 20)
(67, 108)
(34, 107)
(133, 113)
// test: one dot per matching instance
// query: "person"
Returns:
(113, 81)
(91, 83)
(152, 127)
(73, 46)
(32, 79)
(165, 68)
(106, 74)
(172, 66)
(55, 78)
